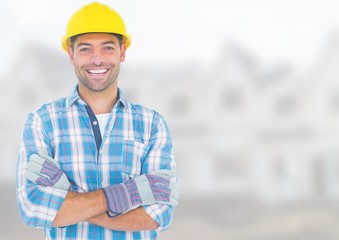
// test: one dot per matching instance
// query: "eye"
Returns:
(109, 48)
(85, 49)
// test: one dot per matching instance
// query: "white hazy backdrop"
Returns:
(250, 91)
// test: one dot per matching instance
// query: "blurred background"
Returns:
(249, 89)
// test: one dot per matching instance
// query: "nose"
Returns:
(97, 58)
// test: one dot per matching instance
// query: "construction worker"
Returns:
(94, 165)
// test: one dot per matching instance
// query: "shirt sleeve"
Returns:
(37, 205)
(160, 156)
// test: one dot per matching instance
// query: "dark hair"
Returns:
(74, 38)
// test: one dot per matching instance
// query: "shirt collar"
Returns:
(122, 99)
(71, 99)
(75, 97)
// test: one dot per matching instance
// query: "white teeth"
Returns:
(97, 71)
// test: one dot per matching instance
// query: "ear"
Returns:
(123, 52)
(71, 55)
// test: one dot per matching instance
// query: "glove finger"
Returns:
(173, 183)
(174, 195)
(31, 176)
(48, 166)
(41, 175)
(166, 173)
(36, 168)
(63, 183)
(172, 186)
(173, 202)
(44, 161)
(44, 182)
(161, 197)
(173, 199)
(47, 157)
(51, 170)
(36, 159)
(157, 180)
(165, 191)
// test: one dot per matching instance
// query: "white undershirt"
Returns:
(102, 121)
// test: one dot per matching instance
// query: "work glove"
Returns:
(45, 171)
(157, 187)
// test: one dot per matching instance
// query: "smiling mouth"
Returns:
(97, 72)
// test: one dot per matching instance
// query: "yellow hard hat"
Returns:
(95, 17)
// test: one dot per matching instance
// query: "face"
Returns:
(96, 58)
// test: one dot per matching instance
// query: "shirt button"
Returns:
(101, 151)
(95, 123)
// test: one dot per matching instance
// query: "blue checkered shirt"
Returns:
(136, 141)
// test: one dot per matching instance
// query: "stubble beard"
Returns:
(86, 82)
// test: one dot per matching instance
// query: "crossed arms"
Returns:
(116, 199)
(92, 207)
(122, 199)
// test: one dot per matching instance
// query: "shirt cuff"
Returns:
(161, 214)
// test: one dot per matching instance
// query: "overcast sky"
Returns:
(179, 31)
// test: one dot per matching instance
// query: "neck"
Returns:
(99, 102)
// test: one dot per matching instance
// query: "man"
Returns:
(95, 165)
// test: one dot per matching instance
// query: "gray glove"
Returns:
(163, 179)
(45, 171)
(158, 187)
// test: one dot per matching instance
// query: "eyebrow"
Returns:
(109, 42)
(104, 43)
(83, 44)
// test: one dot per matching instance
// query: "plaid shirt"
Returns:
(136, 141)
